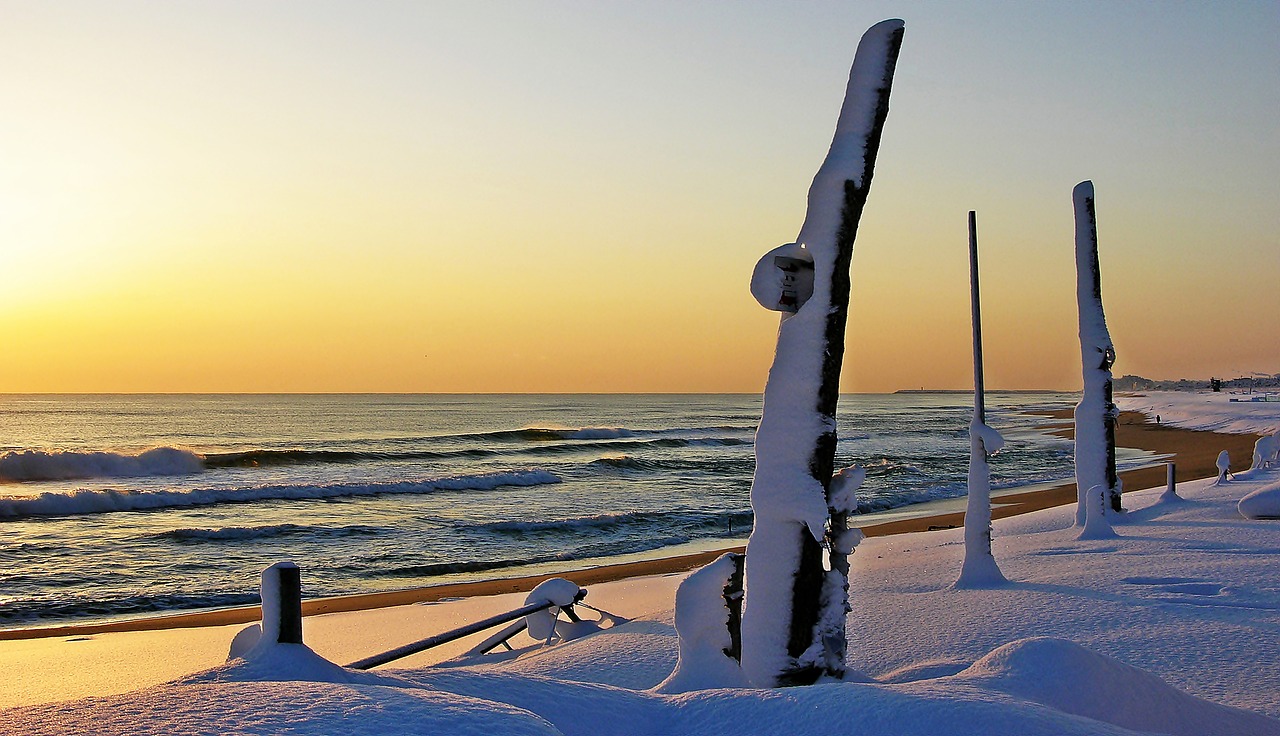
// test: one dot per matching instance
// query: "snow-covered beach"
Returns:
(1187, 593)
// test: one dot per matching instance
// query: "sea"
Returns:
(119, 506)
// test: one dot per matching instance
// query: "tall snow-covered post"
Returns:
(797, 569)
(979, 569)
(1095, 415)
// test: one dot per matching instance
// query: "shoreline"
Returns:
(1194, 451)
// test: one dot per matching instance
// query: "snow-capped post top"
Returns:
(858, 131)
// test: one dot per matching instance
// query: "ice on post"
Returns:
(796, 601)
(1095, 415)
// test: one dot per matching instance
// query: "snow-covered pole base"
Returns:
(793, 619)
(1096, 525)
(1096, 414)
(1171, 483)
(979, 569)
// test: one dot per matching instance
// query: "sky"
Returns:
(570, 196)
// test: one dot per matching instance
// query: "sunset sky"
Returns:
(571, 196)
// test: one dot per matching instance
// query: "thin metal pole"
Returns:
(448, 636)
(979, 390)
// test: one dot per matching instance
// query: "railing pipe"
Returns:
(448, 636)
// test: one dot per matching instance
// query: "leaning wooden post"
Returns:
(1095, 415)
(282, 604)
(796, 575)
(979, 568)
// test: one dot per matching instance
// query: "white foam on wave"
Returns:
(94, 502)
(29, 465)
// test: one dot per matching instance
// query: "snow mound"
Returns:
(285, 663)
(1067, 677)
(636, 655)
(253, 708)
(1264, 503)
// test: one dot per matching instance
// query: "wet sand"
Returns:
(1195, 452)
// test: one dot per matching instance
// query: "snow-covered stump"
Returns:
(1095, 415)
(796, 590)
(1265, 451)
(273, 649)
(708, 612)
(281, 592)
(1096, 525)
(979, 569)
(1224, 467)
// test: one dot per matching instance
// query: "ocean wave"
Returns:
(872, 502)
(31, 465)
(262, 457)
(238, 533)
(687, 520)
(94, 502)
(42, 610)
(549, 445)
(544, 434)
(625, 462)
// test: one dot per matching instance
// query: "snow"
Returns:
(556, 591)
(980, 569)
(785, 497)
(1266, 451)
(1223, 464)
(702, 618)
(1171, 637)
(1263, 503)
(1096, 524)
(1207, 410)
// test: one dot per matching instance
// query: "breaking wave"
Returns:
(28, 465)
(95, 502)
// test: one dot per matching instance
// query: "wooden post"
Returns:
(733, 600)
(282, 603)
(1096, 414)
(794, 627)
(1172, 487)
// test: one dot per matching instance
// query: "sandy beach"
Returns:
(1194, 452)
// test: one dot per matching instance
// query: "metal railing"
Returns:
(434, 641)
